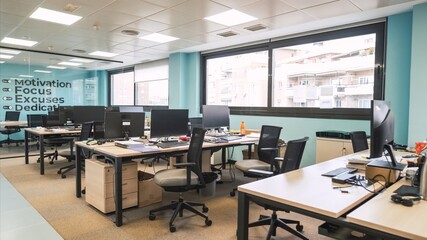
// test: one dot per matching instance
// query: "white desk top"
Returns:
(14, 123)
(44, 131)
(306, 189)
(381, 213)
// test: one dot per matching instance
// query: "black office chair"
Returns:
(187, 176)
(8, 130)
(291, 161)
(267, 151)
(84, 135)
(359, 141)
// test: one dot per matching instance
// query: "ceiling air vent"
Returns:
(227, 34)
(256, 27)
(130, 32)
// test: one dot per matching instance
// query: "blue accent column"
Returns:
(417, 127)
(184, 82)
(398, 68)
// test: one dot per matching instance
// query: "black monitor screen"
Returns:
(83, 114)
(215, 116)
(119, 125)
(65, 113)
(382, 127)
(170, 122)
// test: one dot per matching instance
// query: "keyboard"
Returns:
(171, 144)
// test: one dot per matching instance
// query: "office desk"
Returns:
(303, 191)
(41, 133)
(382, 215)
(20, 124)
(118, 155)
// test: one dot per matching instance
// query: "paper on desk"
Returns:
(143, 148)
(253, 135)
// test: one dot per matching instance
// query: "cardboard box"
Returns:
(148, 191)
(386, 175)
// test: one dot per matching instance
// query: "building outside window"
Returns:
(151, 81)
(122, 88)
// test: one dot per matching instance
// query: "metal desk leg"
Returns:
(250, 151)
(78, 171)
(41, 140)
(223, 157)
(118, 187)
(242, 216)
(26, 146)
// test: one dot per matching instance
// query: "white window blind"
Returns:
(152, 71)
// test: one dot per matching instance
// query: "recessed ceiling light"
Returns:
(8, 51)
(70, 63)
(42, 71)
(56, 67)
(157, 37)
(81, 60)
(26, 76)
(231, 17)
(5, 56)
(103, 54)
(2, 62)
(20, 42)
(55, 16)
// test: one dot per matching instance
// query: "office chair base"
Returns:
(233, 192)
(275, 222)
(178, 207)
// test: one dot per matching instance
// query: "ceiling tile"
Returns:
(307, 3)
(165, 3)
(203, 26)
(21, 8)
(235, 3)
(148, 25)
(200, 9)
(288, 19)
(266, 8)
(134, 7)
(180, 32)
(366, 5)
(85, 8)
(332, 9)
(173, 18)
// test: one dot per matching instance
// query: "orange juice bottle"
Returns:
(242, 128)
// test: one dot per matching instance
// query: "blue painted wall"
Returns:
(417, 130)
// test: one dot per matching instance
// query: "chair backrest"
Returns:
(269, 138)
(12, 116)
(36, 120)
(86, 131)
(293, 155)
(194, 153)
(359, 141)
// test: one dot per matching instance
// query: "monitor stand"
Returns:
(393, 164)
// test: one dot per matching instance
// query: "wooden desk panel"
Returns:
(14, 123)
(382, 214)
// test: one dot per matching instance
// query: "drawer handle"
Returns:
(124, 198)
(124, 183)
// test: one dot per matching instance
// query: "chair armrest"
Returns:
(269, 149)
(261, 173)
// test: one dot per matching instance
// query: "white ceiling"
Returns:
(103, 20)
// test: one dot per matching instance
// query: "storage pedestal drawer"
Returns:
(100, 185)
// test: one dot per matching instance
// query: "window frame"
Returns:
(379, 28)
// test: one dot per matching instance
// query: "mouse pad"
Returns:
(404, 189)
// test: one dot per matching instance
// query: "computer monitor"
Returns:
(131, 109)
(382, 133)
(123, 125)
(83, 114)
(65, 113)
(168, 122)
(215, 116)
(12, 116)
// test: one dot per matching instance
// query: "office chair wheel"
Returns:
(63, 176)
(59, 172)
(84, 191)
(152, 217)
(232, 194)
(172, 228)
(205, 209)
(208, 222)
(299, 227)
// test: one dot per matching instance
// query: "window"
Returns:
(328, 74)
(122, 88)
(152, 83)
(238, 80)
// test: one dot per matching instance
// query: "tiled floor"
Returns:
(18, 219)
